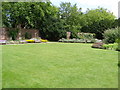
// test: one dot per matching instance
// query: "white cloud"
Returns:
(110, 5)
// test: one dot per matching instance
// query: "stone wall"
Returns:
(4, 33)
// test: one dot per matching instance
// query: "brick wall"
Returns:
(4, 33)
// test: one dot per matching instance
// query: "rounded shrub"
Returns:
(111, 35)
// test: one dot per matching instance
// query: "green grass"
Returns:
(59, 65)
(0, 67)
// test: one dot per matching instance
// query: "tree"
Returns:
(40, 15)
(97, 21)
(53, 22)
(70, 14)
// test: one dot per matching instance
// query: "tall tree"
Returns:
(70, 14)
(40, 15)
(97, 21)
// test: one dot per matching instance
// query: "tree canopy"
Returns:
(53, 22)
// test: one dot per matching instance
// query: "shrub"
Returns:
(118, 40)
(13, 33)
(111, 35)
(113, 46)
(28, 35)
(86, 36)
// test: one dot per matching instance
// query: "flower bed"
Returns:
(77, 40)
(43, 40)
(2, 42)
(30, 41)
(33, 40)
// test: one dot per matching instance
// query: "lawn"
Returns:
(59, 65)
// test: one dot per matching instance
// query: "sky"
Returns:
(111, 5)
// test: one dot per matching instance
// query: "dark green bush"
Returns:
(111, 35)
(28, 35)
(13, 33)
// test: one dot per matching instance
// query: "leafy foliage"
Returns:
(70, 15)
(13, 33)
(28, 35)
(111, 35)
(112, 46)
(53, 22)
(97, 21)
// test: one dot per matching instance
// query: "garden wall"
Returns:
(4, 33)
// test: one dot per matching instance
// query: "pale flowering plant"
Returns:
(3, 41)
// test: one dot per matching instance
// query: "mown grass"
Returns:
(59, 65)
(0, 67)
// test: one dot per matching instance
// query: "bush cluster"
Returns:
(113, 46)
(28, 35)
(111, 35)
(13, 33)
(86, 35)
